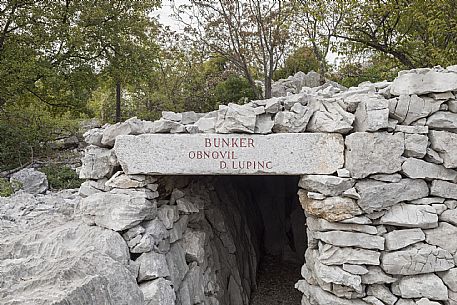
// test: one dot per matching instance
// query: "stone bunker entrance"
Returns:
(249, 234)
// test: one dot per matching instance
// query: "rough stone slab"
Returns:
(443, 120)
(417, 259)
(377, 195)
(411, 216)
(402, 238)
(424, 81)
(331, 208)
(318, 224)
(290, 154)
(350, 239)
(331, 255)
(373, 153)
(445, 143)
(316, 295)
(327, 185)
(444, 236)
(417, 168)
(425, 285)
(444, 189)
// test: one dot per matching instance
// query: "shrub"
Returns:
(61, 177)
(7, 188)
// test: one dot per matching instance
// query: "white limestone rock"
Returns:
(423, 81)
(327, 185)
(449, 216)
(399, 239)
(264, 124)
(97, 163)
(235, 118)
(93, 136)
(336, 275)
(372, 114)
(425, 301)
(331, 255)
(382, 293)
(452, 106)
(330, 117)
(317, 296)
(192, 288)
(428, 200)
(355, 269)
(167, 126)
(176, 233)
(118, 210)
(190, 117)
(420, 169)
(445, 143)
(350, 239)
(415, 145)
(131, 126)
(412, 129)
(387, 178)
(450, 278)
(158, 291)
(177, 265)
(444, 236)
(206, 125)
(444, 189)
(410, 108)
(152, 266)
(122, 181)
(331, 208)
(443, 120)
(373, 300)
(168, 215)
(377, 195)
(423, 286)
(171, 116)
(376, 276)
(372, 153)
(30, 181)
(292, 121)
(319, 224)
(194, 245)
(417, 259)
(411, 216)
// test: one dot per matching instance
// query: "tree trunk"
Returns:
(118, 101)
(267, 84)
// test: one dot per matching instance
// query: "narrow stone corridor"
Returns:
(275, 282)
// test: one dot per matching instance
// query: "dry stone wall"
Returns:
(382, 226)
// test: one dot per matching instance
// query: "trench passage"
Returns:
(280, 233)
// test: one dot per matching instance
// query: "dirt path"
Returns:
(276, 280)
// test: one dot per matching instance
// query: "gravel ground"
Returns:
(275, 283)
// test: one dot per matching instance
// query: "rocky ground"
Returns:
(275, 283)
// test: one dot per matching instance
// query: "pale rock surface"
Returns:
(264, 124)
(327, 185)
(122, 181)
(118, 210)
(93, 136)
(372, 153)
(420, 169)
(350, 239)
(97, 163)
(131, 126)
(395, 178)
(152, 266)
(372, 114)
(330, 117)
(171, 116)
(318, 296)
(194, 245)
(235, 118)
(206, 124)
(376, 275)
(424, 81)
(331, 208)
(167, 126)
(377, 195)
(445, 143)
(415, 145)
(444, 189)
(417, 259)
(412, 129)
(372, 300)
(409, 108)
(399, 239)
(428, 200)
(444, 236)
(190, 117)
(382, 293)
(449, 216)
(443, 120)
(425, 285)
(319, 224)
(158, 291)
(177, 265)
(411, 216)
(355, 269)
(292, 121)
(425, 301)
(336, 275)
(331, 255)
(30, 181)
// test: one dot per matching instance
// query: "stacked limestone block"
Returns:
(190, 244)
(382, 230)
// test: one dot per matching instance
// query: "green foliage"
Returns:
(234, 89)
(302, 59)
(6, 188)
(61, 177)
